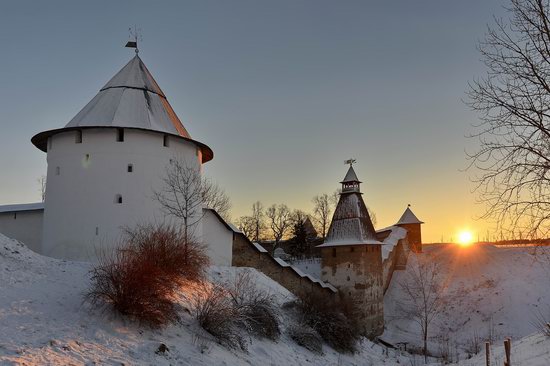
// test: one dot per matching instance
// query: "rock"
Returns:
(162, 349)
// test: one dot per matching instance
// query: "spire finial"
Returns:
(409, 205)
(135, 36)
(350, 162)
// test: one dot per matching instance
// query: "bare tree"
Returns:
(214, 197)
(322, 211)
(42, 182)
(279, 219)
(185, 192)
(422, 294)
(258, 217)
(247, 225)
(513, 101)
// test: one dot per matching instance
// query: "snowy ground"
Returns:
(491, 291)
(43, 321)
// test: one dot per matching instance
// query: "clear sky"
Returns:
(282, 91)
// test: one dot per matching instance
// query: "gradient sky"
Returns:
(282, 91)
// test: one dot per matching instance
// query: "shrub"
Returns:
(306, 337)
(332, 319)
(180, 259)
(140, 277)
(256, 307)
(216, 313)
(133, 287)
(225, 310)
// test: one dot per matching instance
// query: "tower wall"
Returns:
(356, 271)
(82, 213)
(414, 236)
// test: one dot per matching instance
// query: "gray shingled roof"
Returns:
(131, 99)
(351, 223)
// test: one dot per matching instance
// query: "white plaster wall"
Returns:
(218, 238)
(25, 226)
(81, 215)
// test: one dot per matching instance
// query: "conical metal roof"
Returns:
(350, 176)
(408, 217)
(131, 99)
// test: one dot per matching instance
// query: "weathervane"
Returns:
(350, 161)
(135, 36)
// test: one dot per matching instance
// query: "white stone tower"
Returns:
(105, 164)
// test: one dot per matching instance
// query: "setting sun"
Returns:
(465, 238)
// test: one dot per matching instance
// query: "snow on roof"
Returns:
(408, 217)
(259, 247)
(131, 99)
(234, 228)
(350, 176)
(22, 207)
(281, 262)
(397, 233)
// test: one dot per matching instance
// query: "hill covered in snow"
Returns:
(43, 320)
(491, 292)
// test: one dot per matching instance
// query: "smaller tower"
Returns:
(411, 223)
(352, 257)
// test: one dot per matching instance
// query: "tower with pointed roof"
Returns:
(105, 164)
(412, 224)
(352, 258)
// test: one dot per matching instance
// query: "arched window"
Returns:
(118, 199)
(78, 137)
(165, 141)
(130, 168)
(334, 252)
(57, 170)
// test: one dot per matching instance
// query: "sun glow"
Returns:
(465, 238)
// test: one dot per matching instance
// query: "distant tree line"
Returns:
(298, 229)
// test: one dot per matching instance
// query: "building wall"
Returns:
(218, 238)
(356, 271)
(25, 226)
(81, 214)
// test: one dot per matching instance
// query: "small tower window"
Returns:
(351, 249)
(57, 170)
(118, 199)
(120, 134)
(334, 252)
(15, 215)
(130, 168)
(165, 141)
(96, 230)
(78, 137)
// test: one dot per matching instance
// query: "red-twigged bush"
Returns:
(180, 259)
(140, 277)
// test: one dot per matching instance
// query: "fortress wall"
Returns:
(248, 254)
